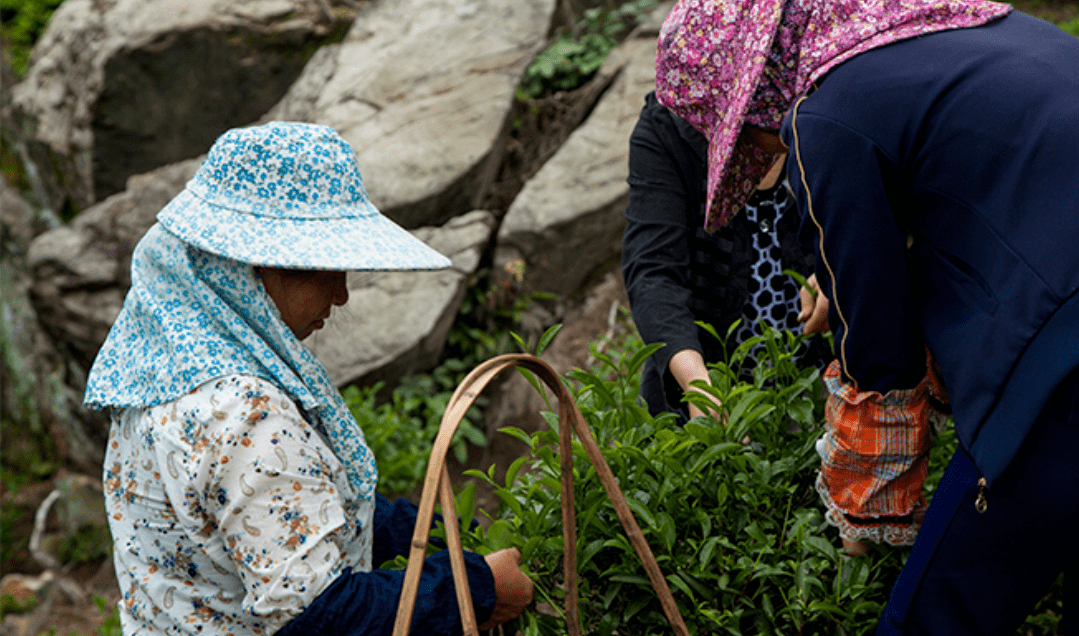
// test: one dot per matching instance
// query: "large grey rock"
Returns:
(120, 87)
(395, 323)
(568, 218)
(81, 270)
(36, 403)
(422, 90)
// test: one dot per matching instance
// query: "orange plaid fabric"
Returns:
(875, 454)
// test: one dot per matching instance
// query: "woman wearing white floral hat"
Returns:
(240, 492)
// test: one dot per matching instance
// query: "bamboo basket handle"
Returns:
(437, 482)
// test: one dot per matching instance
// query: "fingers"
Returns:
(818, 320)
(806, 302)
(814, 307)
(513, 588)
(807, 298)
(855, 548)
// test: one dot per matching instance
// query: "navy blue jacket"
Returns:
(365, 603)
(938, 178)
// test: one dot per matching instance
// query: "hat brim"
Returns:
(361, 241)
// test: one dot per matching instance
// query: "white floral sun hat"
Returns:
(290, 195)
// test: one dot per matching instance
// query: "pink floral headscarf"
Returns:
(724, 63)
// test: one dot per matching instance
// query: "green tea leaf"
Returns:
(823, 546)
(641, 512)
(546, 338)
(511, 471)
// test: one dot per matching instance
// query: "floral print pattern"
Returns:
(724, 63)
(230, 511)
(290, 195)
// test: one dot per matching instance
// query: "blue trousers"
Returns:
(983, 573)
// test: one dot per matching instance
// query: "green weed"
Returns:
(23, 22)
(571, 60)
(1071, 26)
(10, 604)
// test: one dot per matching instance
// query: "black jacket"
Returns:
(675, 271)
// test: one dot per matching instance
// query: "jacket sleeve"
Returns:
(875, 448)
(845, 187)
(393, 525)
(365, 603)
(655, 248)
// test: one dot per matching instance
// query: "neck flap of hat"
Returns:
(192, 316)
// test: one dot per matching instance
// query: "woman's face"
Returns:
(304, 297)
(766, 140)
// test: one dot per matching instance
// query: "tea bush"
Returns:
(729, 510)
(401, 431)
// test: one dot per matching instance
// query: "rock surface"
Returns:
(568, 219)
(395, 323)
(120, 87)
(35, 396)
(426, 108)
(422, 89)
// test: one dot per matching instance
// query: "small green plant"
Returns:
(90, 543)
(565, 64)
(491, 309)
(111, 625)
(11, 604)
(23, 22)
(571, 60)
